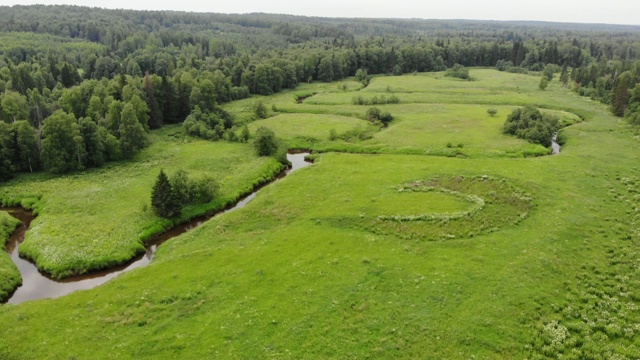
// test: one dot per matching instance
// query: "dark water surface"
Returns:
(36, 285)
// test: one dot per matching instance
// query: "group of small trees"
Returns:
(458, 71)
(210, 125)
(547, 75)
(530, 124)
(374, 114)
(362, 76)
(170, 196)
(382, 100)
(266, 143)
(64, 143)
(260, 110)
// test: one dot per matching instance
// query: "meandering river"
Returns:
(37, 285)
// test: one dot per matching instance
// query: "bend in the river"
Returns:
(37, 285)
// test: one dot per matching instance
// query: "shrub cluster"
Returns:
(358, 133)
(382, 100)
(260, 110)
(458, 71)
(374, 114)
(507, 65)
(530, 124)
(208, 125)
(169, 196)
(266, 143)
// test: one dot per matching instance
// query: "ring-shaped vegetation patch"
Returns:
(493, 204)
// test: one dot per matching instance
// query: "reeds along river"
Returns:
(37, 285)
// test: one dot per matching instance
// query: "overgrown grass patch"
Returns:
(100, 218)
(312, 126)
(9, 274)
(491, 205)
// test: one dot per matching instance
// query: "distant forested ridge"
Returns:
(80, 86)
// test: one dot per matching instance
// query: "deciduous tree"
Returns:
(62, 144)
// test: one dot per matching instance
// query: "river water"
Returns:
(37, 285)
(554, 144)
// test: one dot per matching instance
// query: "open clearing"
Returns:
(419, 250)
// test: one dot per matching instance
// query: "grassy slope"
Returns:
(99, 218)
(9, 274)
(278, 279)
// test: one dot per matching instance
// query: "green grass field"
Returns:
(292, 127)
(479, 253)
(100, 218)
(9, 274)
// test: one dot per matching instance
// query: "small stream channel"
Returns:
(555, 147)
(37, 285)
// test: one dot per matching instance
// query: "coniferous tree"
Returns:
(163, 200)
(564, 75)
(620, 95)
(155, 114)
(6, 153)
(168, 103)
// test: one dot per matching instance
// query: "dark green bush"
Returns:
(530, 124)
(169, 196)
(458, 71)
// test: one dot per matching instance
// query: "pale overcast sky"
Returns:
(586, 11)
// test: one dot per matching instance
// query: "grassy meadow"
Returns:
(9, 274)
(394, 244)
(101, 217)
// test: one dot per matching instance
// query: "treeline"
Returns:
(104, 78)
(616, 83)
(101, 120)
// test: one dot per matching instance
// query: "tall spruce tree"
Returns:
(620, 95)
(155, 114)
(163, 199)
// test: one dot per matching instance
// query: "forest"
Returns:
(103, 78)
(462, 189)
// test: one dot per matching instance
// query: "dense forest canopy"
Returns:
(101, 79)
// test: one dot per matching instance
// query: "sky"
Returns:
(582, 11)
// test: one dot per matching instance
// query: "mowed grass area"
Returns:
(100, 218)
(309, 269)
(9, 274)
